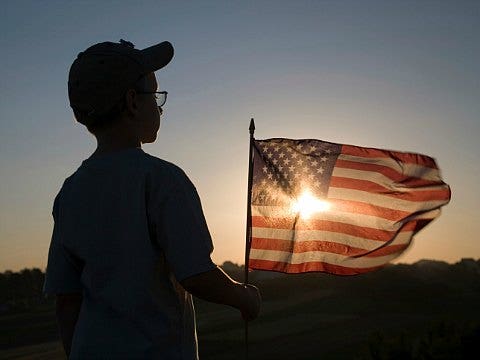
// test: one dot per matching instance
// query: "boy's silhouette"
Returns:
(130, 242)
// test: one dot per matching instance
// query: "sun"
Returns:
(307, 204)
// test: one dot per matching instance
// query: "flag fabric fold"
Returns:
(340, 209)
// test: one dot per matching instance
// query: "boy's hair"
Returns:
(101, 75)
(105, 121)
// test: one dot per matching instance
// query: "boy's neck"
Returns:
(103, 148)
(117, 138)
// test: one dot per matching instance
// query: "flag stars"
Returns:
(288, 166)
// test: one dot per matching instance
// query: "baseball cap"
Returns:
(100, 76)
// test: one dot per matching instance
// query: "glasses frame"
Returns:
(157, 93)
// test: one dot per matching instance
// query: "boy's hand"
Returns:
(216, 286)
(251, 303)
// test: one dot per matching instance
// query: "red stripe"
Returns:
(365, 185)
(307, 267)
(317, 266)
(393, 175)
(357, 207)
(408, 158)
(324, 246)
(362, 208)
(325, 225)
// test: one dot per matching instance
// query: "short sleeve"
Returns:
(181, 229)
(63, 274)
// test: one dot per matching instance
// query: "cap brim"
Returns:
(158, 56)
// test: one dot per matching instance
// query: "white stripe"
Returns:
(432, 214)
(372, 176)
(350, 218)
(409, 170)
(270, 211)
(382, 180)
(317, 235)
(331, 215)
(382, 200)
(314, 256)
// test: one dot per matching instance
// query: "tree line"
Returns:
(22, 290)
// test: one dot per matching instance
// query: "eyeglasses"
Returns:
(160, 96)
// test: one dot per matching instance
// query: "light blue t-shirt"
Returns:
(128, 227)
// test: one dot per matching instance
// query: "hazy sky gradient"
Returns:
(390, 74)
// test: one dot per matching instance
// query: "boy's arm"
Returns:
(67, 310)
(216, 286)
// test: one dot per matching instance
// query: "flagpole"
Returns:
(248, 230)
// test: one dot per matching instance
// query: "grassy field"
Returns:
(391, 314)
(357, 319)
(44, 351)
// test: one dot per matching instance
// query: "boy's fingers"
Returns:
(253, 301)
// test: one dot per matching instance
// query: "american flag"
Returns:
(340, 209)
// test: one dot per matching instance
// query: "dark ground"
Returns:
(429, 310)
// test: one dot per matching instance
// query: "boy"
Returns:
(130, 242)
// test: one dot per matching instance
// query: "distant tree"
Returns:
(22, 290)
(231, 268)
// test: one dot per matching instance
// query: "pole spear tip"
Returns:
(252, 126)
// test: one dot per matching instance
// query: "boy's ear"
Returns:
(131, 105)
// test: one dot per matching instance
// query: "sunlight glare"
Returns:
(307, 204)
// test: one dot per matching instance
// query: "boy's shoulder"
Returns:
(170, 176)
(162, 167)
(150, 165)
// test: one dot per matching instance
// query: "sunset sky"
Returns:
(400, 75)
